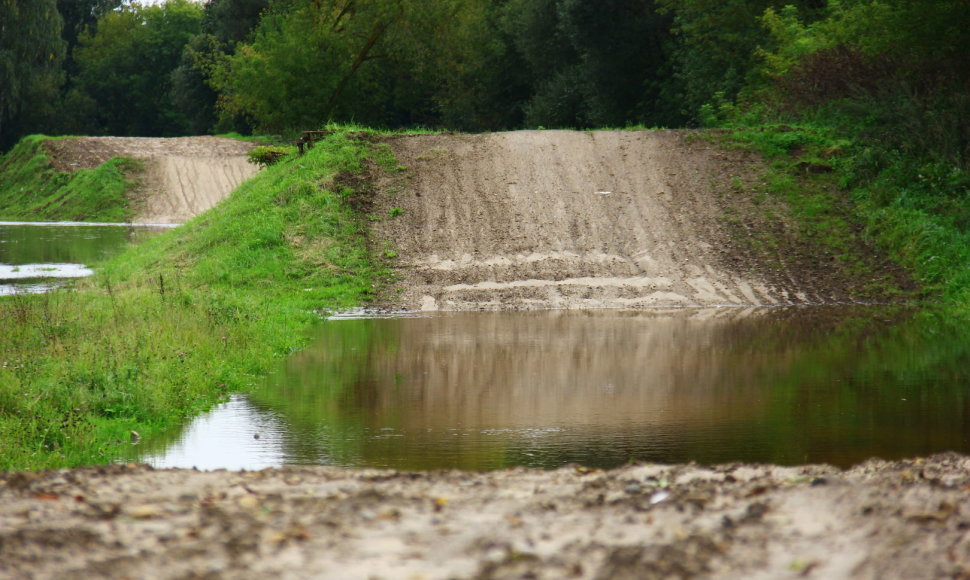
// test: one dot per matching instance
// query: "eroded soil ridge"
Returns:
(183, 177)
(569, 219)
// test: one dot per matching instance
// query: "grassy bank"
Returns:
(33, 189)
(839, 201)
(172, 326)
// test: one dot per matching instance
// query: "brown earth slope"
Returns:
(184, 176)
(553, 219)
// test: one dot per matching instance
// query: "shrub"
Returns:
(268, 155)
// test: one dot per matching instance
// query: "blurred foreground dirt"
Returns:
(904, 519)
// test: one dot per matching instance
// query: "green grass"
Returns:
(32, 189)
(804, 168)
(893, 171)
(171, 327)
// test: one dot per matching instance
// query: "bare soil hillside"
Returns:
(554, 219)
(183, 176)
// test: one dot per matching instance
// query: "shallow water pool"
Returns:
(601, 388)
(35, 256)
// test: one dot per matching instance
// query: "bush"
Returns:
(268, 155)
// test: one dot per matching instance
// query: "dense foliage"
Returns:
(30, 50)
(184, 66)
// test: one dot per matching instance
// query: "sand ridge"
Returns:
(183, 177)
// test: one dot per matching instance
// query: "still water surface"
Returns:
(34, 256)
(490, 390)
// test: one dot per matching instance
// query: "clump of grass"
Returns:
(32, 189)
(171, 327)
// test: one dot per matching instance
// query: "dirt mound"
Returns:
(905, 520)
(553, 219)
(183, 176)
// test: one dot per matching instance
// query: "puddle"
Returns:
(491, 390)
(38, 256)
(235, 435)
(24, 271)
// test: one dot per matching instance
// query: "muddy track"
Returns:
(554, 219)
(183, 176)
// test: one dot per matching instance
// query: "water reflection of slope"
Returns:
(489, 390)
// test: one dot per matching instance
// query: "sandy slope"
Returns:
(183, 177)
(540, 219)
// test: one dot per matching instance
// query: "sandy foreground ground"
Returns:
(183, 177)
(879, 520)
(551, 219)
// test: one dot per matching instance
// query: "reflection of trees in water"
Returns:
(713, 385)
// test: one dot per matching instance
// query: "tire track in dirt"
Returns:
(183, 177)
(568, 219)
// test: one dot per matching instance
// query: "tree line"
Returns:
(278, 66)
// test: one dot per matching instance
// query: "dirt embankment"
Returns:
(903, 520)
(553, 219)
(183, 176)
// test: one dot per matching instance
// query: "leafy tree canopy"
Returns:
(31, 50)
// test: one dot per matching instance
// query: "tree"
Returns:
(592, 64)
(715, 50)
(125, 68)
(233, 21)
(894, 70)
(191, 93)
(81, 15)
(31, 50)
(311, 61)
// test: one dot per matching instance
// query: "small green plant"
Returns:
(396, 212)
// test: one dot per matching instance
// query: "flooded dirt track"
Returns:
(554, 219)
(511, 221)
(906, 520)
